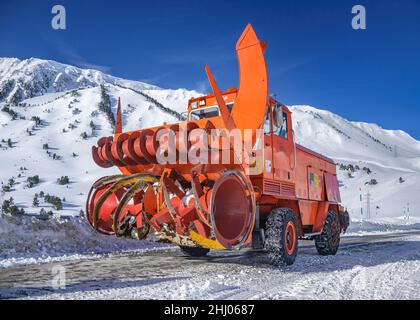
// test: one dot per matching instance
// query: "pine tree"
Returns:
(35, 202)
(32, 181)
(63, 180)
(105, 106)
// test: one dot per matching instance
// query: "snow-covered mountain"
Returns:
(50, 119)
(22, 79)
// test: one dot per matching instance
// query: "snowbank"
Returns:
(384, 225)
(26, 239)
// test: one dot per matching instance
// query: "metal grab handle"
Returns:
(294, 149)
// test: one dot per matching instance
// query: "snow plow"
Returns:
(228, 177)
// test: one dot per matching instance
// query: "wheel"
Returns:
(328, 241)
(281, 237)
(344, 220)
(140, 233)
(194, 251)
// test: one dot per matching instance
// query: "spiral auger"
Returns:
(188, 213)
(115, 205)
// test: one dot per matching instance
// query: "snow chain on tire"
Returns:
(328, 241)
(275, 237)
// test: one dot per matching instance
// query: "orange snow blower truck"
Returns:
(192, 185)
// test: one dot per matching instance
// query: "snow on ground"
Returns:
(387, 269)
(28, 239)
(383, 225)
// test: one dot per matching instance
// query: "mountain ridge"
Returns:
(26, 78)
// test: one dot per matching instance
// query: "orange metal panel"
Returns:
(315, 183)
(331, 187)
(320, 216)
(308, 210)
(283, 153)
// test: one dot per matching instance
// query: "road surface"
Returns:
(366, 267)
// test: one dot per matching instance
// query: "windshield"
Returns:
(204, 113)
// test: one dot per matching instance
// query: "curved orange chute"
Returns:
(252, 96)
(251, 102)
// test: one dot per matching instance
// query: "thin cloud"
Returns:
(87, 65)
(202, 86)
(73, 57)
(156, 79)
(212, 55)
(293, 65)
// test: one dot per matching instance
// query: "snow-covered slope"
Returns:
(65, 118)
(389, 157)
(66, 99)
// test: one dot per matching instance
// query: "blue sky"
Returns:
(314, 56)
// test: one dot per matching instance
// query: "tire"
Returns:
(281, 237)
(328, 241)
(142, 232)
(194, 251)
(344, 220)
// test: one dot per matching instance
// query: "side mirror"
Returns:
(278, 116)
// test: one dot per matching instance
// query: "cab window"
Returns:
(267, 122)
(203, 113)
(230, 106)
(280, 126)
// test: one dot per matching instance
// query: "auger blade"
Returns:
(123, 182)
(107, 180)
(98, 185)
(134, 190)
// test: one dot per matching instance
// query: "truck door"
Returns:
(283, 145)
(268, 145)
